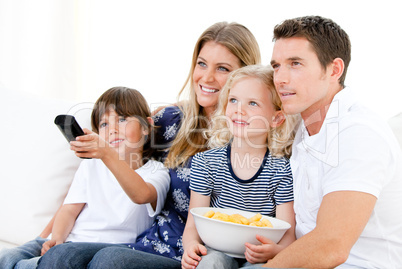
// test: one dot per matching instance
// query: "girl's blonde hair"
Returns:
(280, 138)
(189, 139)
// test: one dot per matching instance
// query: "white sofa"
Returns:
(37, 165)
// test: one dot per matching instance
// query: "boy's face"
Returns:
(300, 80)
(125, 134)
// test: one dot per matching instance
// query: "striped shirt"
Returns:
(212, 175)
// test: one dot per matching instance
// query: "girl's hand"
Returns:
(192, 256)
(261, 253)
(48, 245)
(90, 145)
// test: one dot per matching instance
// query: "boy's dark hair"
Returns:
(127, 103)
(327, 38)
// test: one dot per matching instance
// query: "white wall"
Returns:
(76, 49)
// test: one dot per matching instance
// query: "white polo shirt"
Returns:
(355, 150)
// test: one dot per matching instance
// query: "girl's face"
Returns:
(214, 63)
(250, 111)
(125, 134)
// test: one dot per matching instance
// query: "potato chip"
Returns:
(256, 220)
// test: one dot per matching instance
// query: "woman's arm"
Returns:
(63, 224)
(192, 242)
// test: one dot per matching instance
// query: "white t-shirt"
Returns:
(109, 215)
(354, 150)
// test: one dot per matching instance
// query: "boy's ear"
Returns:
(151, 122)
(278, 119)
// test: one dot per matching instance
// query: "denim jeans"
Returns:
(219, 260)
(25, 256)
(71, 255)
(127, 258)
(100, 255)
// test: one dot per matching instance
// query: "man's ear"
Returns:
(338, 66)
(278, 119)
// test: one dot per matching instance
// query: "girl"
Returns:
(221, 49)
(249, 170)
(97, 208)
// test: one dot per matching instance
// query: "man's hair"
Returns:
(327, 38)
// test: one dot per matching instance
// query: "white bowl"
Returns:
(230, 237)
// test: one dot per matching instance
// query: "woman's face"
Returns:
(214, 63)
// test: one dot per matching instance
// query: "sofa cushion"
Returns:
(37, 164)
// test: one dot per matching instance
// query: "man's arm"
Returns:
(340, 221)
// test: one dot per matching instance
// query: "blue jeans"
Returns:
(25, 256)
(71, 255)
(127, 258)
(99, 255)
(218, 260)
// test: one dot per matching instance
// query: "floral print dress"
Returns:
(165, 235)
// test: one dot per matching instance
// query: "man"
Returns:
(346, 162)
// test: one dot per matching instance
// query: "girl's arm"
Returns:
(192, 242)
(92, 145)
(268, 249)
(63, 224)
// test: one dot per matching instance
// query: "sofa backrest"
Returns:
(37, 165)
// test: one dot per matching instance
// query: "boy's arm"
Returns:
(92, 145)
(48, 229)
(340, 221)
(63, 224)
(64, 221)
(132, 183)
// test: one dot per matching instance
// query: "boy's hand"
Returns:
(261, 253)
(192, 256)
(90, 145)
(49, 244)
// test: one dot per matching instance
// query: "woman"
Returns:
(222, 48)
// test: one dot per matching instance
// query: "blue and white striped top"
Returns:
(212, 175)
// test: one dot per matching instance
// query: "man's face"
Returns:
(300, 80)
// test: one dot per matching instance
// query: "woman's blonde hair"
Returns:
(189, 139)
(280, 138)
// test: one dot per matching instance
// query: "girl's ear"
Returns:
(277, 119)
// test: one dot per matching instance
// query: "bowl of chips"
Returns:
(228, 230)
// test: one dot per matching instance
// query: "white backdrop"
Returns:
(77, 49)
